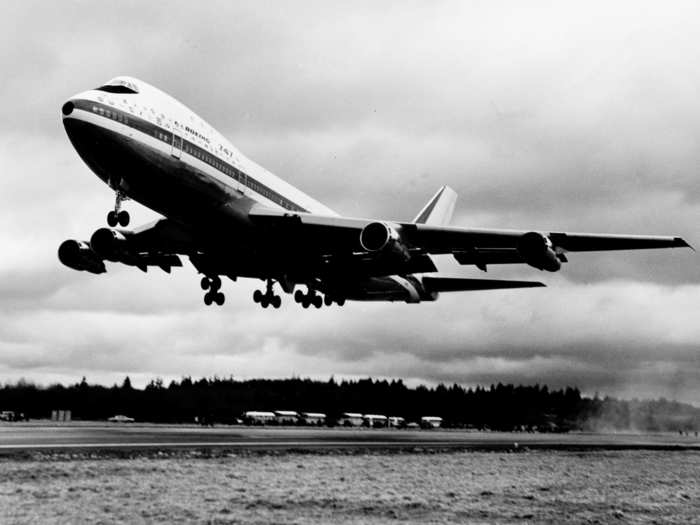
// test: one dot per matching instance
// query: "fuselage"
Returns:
(149, 147)
(154, 149)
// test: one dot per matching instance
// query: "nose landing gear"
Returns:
(118, 216)
(213, 284)
(269, 297)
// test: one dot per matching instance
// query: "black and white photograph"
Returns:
(325, 262)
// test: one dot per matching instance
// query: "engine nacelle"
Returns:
(111, 245)
(80, 256)
(537, 251)
(382, 237)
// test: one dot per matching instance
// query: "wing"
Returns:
(481, 247)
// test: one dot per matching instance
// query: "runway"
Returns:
(18, 437)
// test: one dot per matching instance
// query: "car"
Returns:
(119, 418)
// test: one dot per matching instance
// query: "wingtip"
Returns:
(680, 242)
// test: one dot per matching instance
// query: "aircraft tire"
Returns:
(257, 296)
(328, 300)
(305, 303)
(208, 298)
(317, 301)
(276, 301)
(219, 298)
(298, 296)
(123, 218)
(112, 219)
(215, 282)
(341, 302)
(264, 303)
(204, 283)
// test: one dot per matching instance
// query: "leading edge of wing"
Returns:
(459, 284)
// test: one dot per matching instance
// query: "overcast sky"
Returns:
(576, 116)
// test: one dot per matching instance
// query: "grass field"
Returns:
(378, 487)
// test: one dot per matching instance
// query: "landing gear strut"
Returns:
(269, 297)
(213, 284)
(118, 216)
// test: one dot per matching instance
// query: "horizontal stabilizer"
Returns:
(457, 284)
(438, 212)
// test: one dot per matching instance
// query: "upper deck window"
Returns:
(119, 85)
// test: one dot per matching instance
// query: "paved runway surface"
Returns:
(16, 437)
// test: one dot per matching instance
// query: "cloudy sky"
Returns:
(564, 116)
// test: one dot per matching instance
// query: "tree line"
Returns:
(223, 400)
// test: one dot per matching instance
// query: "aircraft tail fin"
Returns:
(438, 211)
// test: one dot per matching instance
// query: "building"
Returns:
(286, 417)
(350, 419)
(254, 417)
(374, 420)
(431, 422)
(396, 421)
(313, 418)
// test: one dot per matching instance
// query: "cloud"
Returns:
(552, 117)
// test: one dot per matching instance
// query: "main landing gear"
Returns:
(312, 298)
(268, 298)
(213, 284)
(118, 216)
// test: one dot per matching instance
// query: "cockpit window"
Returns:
(119, 85)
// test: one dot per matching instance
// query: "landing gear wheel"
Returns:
(215, 282)
(123, 218)
(204, 283)
(208, 298)
(112, 219)
(305, 303)
(328, 300)
(219, 298)
(340, 302)
(257, 296)
(317, 301)
(276, 301)
(298, 296)
(264, 302)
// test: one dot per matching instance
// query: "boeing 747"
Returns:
(233, 218)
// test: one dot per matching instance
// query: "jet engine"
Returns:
(111, 245)
(78, 255)
(537, 251)
(383, 237)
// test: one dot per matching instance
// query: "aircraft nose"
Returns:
(67, 108)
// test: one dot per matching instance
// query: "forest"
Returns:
(224, 400)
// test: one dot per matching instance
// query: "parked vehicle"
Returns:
(119, 418)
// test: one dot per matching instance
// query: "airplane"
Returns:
(233, 218)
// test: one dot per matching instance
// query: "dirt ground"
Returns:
(377, 487)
